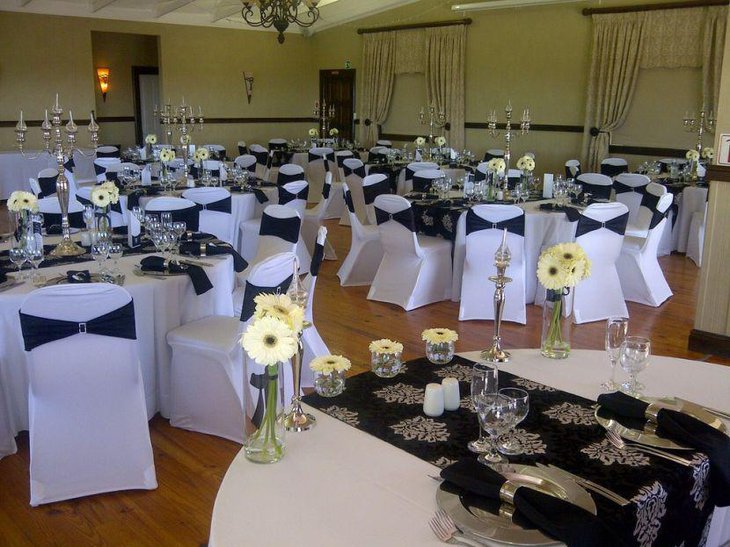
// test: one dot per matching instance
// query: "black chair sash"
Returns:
(348, 202)
(250, 168)
(283, 178)
(377, 157)
(371, 191)
(217, 154)
(220, 206)
(52, 221)
(587, 225)
(327, 158)
(112, 154)
(116, 207)
(99, 169)
(341, 160)
(359, 171)
(261, 196)
(197, 275)
(488, 156)
(285, 196)
(475, 223)
(409, 173)
(598, 191)
(613, 170)
(280, 157)
(195, 172)
(650, 201)
(621, 188)
(250, 292)
(421, 184)
(326, 190)
(317, 258)
(262, 158)
(404, 218)
(47, 185)
(190, 216)
(242, 150)
(284, 228)
(197, 248)
(278, 146)
(569, 173)
(479, 176)
(117, 323)
(69, 164)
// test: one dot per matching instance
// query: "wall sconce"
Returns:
(248, 81)
(103, 74)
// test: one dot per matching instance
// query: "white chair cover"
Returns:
(262, 169)
(366, 252)
(102, 165)
(256, 246)
(640, 226)
(493, 153)
(479, 248)
(613, 166)
(317, 166)
(246, 161)
(216, 150)
(372, 187)
(597, 184)
(88, 419)
(312, 342)
(631, 198)
(242, 148)
(384, 142)
(415, 270)
(313, 218)
(696, 239)
(289, 172)
(572, 169)
(340, 157)
(218, 223)
(405, 177)
(422, 179)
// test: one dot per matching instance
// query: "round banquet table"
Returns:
(159, 305)
(340, 486)
(692, 200)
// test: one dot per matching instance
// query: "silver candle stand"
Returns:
(502, 257)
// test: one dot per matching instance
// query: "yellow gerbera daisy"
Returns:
(269, 341)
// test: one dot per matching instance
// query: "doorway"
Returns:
(337, 87)
(146, 82)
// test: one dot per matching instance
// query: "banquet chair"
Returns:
(597, 185)
(646, 211)
(366, 251)
(247, 162)
(289, 172)
(629, 189)
(377, 154)
(480, 173)
(277, 231)
(116, 213)
(479, 233)
(7, 432)
(614, 166)
(320, 160)
(312, 220)
(208, 366)
(340, 157)
(423, 179)
(372, 187)
(278, 144)
(416, 269)
(217, 151)
(263, 161)
(665, 164)
(87, 412)
(215, 216)
(180, 209)
(51, 209)
(45, 184)
(108, 152)
(384, 142)
(513, 177)
(600, 232)
(572, 169)
(642, 280)
(242, 148)
(405, 178)
(493, 153)
(178, 163)
(312, 342)
(696, 238)
(102, 165)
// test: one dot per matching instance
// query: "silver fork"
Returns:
(445, 529)
(619, 443)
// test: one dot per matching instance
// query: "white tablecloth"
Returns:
(339, 486)
(15, 170)
(159, 305)
(692, 200)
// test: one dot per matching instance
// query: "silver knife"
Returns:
(690, 405)
(597, 488)
(193, 262)
(708, 416)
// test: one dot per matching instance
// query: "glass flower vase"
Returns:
(103, 221)
(330, 385)
(266, 443)
(556, 322)
(385, 365)
(439, 353)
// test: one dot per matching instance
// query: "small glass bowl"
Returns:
(440, 353)
(330, 385)
(386, 365)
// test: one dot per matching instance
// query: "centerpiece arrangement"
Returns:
(22, 204)
(559, 268)
(103, 197)
(166, 156)
(526, 164)
(439, 344)
(149, 141)
(385, 357)
(201, 154)
(329, 371)
(694, 157)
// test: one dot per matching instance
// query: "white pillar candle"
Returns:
(433, 400)
(547, 185)
(452, 397)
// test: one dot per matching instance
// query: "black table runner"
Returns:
(670, 503)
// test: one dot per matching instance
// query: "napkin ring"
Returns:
(203, 248)
(507, 492)
(507, 511)
(652, 412)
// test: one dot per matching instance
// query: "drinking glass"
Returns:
(635, 353)
(99, 253)
(178, 228)
(483, 381)
(165, 218)
(515, 194)
(17, 257)
(616, 330)
(116, 251)
(521, 398)
(496, 413)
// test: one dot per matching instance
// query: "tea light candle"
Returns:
(433, 400)
(452, 398)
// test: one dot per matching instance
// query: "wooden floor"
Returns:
(190, 466)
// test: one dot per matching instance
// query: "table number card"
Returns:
(547, 185)
(723, 157)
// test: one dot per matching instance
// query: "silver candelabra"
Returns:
(324, 114)
(61, 149)
(509, 133)
(502, 258)
(435, 120)
(181, 119)
(705, 123)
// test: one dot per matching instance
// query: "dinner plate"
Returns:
(484, 524)
(646, 432)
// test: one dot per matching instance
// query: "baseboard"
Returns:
(708, 342)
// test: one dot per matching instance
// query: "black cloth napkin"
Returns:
(197, 275)
(623, 405)
(196, 236)
(193, 248)
(558, 518)
(78, 276)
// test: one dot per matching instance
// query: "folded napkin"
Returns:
(261, 196)
(197, 275)
(78, 276)
(3, 276)
(560, 519)
(686, 430)
(194, 248)
(196, 236)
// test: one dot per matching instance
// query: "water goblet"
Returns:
(616, 330)
(35, 257)
(515, 194)
(178, 228)
(166, 218)
(116, 251)
(634, 357)
(512, 446)
(17, 257)
(99, 253)
(484, 380)
(495, 413)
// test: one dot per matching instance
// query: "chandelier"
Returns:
(280, 14)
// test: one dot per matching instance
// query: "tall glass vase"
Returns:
(556, 322)
(103, 221)
(266, 443)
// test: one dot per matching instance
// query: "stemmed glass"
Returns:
(521, 398)
(484, 380)
(496, 414)
(115, 253)
(99, 252)
(34, 255)
(616, 330)
(635, 353)
(178, 228)
(17, 257)
(515, 194)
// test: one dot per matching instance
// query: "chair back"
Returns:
(115, 212)
(373, 186)
(657, 223)
(242, 148)
(273, 273)
(263, 160)
(572, 169)
(102, 165)
(107, 152)
(377, 154)
(614, 166)
(217, 151)
(384, 142)
(180, 209)
(629, 189)
(665, 163)
(320, 160)
(480, 173)
(294, 195)
(46, 182)
(596, 184)
(215, 217)
(355, 223)
(278, 232)
(423, 179)
(484, 230)
(648, 205)
(493, 153)
(278, 144)
(396, 225)
(247, 162)
(340, 157)
(601, 244)
(51, 210)
(310, 279)
(289, 172)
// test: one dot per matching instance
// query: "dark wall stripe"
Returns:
(119, 119)
(647, 151)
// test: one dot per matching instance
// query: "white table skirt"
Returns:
(692, 200)
(159, 305)
(15, 170)
(339, 486)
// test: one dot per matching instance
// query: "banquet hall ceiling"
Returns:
(217, 13)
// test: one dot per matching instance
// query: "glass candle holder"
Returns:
(386, 365)
(330, 385)
(440, 353)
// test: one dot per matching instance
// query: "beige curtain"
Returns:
(713, 44)
(445, 54)
(617, 48)
(379, 72)
(409, 51)
(673, 38)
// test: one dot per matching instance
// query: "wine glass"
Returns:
(116, 251)
(496, 413)
(616, 329)
(166, 218)
(178, 228)
(521, 398)
(17, 257)
(99, 253)
(484, 380)
(515, 194)
(34, 255)
(635, 353)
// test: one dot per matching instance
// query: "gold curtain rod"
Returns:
(466, 21)
(653, 7)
